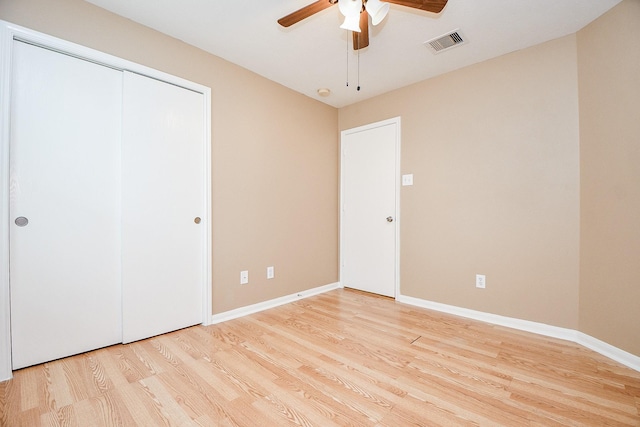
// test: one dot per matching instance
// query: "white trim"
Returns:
(9, 32)
(630, 360)
(207, 303)
(265, 305)
(398, 122)
(614, 353)
(509, 322)
(398, 180)
(5, 301)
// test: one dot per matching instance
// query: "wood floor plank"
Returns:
(214, 375)
(343, 358)
(60, 395)
(27, 418)
(29, 396)
(109, 366)
(292, 380)
(287, 410)
(568, 406)
(80, 378)
(104, 410)
(415, 412)
(129, 364)
(320, 400)
(11, 399)
(196, 397)
(169, 407)
(244, 412)
(469, 403)
(198, 343)
(61, 417)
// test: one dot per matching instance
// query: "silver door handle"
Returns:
(21, 221)
(389, 219)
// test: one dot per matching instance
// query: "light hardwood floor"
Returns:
(340, 358)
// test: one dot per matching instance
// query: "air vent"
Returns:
(445, 42)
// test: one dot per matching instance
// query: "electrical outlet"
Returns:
(244, 277)
(407, 179)
(481, 281)
(271, 272)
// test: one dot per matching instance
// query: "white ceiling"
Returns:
(312, 54)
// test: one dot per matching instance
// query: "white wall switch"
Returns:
(407, 179)
(481, 281)
(244, 277)
(270, 272)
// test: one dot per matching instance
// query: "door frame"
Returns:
(397, 122)
(10, 32)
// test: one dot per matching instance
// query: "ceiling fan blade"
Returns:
(361, 39)
(305, 12)
(434, 6)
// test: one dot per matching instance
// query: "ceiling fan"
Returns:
(357, 13)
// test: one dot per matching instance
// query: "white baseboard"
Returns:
(265, 305)
(630, 360)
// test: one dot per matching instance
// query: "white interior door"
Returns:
(369, 218)
(65, 181)
(163, 207)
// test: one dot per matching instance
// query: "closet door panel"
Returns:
(162, 195)
(65, 180)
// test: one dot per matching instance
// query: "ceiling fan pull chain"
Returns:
(347, 58)
(358, 88)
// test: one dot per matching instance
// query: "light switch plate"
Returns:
(407, 179)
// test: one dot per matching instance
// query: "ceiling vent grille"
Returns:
(445, 42)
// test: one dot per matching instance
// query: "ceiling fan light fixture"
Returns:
(350, 7)
(351, 23)
(377, 10)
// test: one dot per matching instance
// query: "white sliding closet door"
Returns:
(163, 207)
(65, 181)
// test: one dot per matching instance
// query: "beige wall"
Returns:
(274, 155)
(494, 152)
(609, 76)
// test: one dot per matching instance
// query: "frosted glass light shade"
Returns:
(377, 10)
(351, 23)
(350, 7)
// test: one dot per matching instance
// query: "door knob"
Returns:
(21, 221)
(389, 219)
(197, 220)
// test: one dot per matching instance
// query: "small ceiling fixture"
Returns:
(324, 92)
